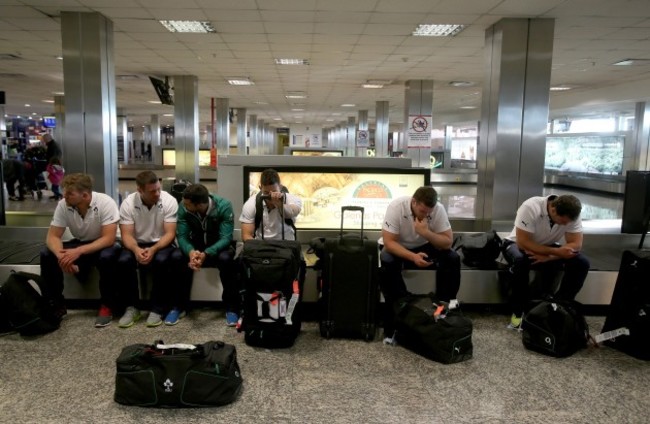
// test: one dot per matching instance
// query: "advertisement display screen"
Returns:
(169, 157)
(324, 190)
(337, 153)
(591, 154)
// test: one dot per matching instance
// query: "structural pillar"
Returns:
(514, 118)
(186, 127)
(351, 137)
(223, 126)
(636, 156)
(90, 138)
(123, 144)
(241, 131)
(59, 115)
(253, 138)
(381, 129)
(155, 138)
(418, 116)
(363, 126)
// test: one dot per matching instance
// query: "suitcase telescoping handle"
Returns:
(351, 208)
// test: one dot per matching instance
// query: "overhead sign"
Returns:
(418, 135)
(363, 138)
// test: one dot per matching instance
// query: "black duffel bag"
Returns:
(429, 328)
(555, 328)
(480, 250)
(25, 306)
(180, 375)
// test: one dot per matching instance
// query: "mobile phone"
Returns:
(428, 259)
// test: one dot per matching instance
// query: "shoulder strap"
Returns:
(259, 210)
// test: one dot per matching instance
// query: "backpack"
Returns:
(259, 210)
(178, 188)
(25, 307)
(273, 277)
(555, 328)
(479, 250)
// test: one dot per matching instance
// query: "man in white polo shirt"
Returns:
(541, 224)
(92, 220)
(148, 229)
(416, 234)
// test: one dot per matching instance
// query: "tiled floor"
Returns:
(68, 377)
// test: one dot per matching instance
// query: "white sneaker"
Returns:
(130, 317)
(154, 319)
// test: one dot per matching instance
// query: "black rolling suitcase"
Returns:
(273, 278)
(629, 310)
(349, 292)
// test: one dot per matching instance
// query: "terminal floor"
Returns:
(68, 377)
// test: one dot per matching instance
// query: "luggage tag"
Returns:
(293, 301)
(623, 331)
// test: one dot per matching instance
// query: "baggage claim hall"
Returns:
(354, 103)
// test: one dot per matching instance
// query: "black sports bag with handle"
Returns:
(178, 375)
(433, 330)
(555, 328)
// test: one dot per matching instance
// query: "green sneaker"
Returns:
(130, 317)
(515, 322)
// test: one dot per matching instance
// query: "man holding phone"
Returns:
(416, 234)
(534, 243)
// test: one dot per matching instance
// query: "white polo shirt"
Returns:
(399, 220)
(532, 217)
(148, 223)
(101, 211)
(271, 223)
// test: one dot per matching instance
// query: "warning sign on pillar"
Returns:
(419, 132)
(363, 138)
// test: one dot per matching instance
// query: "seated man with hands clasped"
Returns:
(204, 233)
(148, 228)
(541, 223)
(416, 234)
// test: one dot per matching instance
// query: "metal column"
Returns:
(418, 101)
(514, 118)
(363, 125)
(223, 126)
(636, 151)
(254, 137)
(241, 131)
(59, 115)
(90, 139)
(123, 141)
(186, 127)
(351, 139)
(381, 129)
(155, 139)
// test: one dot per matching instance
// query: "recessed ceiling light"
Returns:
(260, 103)
(295, 96)
(297, 110)
(59, 57)
(372, 85)
(461, 83)
(168, 114)
(28, 105)
(432, 30)
(291, 62)
(58, 93)
(155, 102)
(632, 62)
(277, 119)
(468, 107)
(201, 27)
(560, 88)
(348, 105)
(240, 81)
(48, 101)
(329, 120)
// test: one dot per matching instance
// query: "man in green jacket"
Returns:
(204, 234)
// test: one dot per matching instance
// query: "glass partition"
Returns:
(585, 153)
